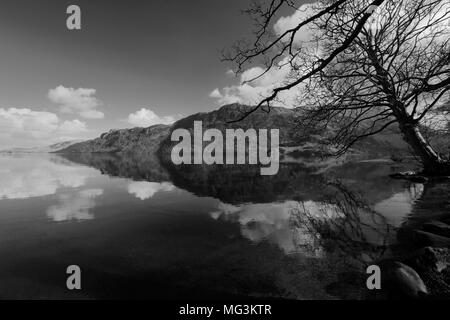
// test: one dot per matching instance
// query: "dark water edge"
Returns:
(142, 230)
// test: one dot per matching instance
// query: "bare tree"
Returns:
(373, 64)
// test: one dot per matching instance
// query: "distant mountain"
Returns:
(48, 149)
(278, 118)
(136, 140)
(292, 140)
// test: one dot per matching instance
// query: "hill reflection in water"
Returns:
(203, 231)
(352, 208)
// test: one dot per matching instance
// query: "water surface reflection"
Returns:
(195, 231)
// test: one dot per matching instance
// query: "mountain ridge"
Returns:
(156, 139)
(47, 149)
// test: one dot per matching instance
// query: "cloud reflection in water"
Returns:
(28, 177)
(274, 223)
(144, 190)
(74, 206)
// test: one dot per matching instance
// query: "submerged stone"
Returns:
(408, 281)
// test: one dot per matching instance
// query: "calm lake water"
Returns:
(139, 230)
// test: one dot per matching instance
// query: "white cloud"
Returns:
(252, 87)
(79, 101)
(146, 118)
(252, 92)
(230, 73)
(71, 127)
(23, 126)
(433, 26)
(286, 23)
(215, 94)
(144, 190)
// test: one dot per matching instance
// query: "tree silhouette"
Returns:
(367, 66)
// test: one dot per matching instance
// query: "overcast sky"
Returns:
(133, 63)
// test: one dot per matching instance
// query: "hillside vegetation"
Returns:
(293, 140)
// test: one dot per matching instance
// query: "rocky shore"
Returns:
(421, 268)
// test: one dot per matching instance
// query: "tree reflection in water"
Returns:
(325, 227)
(343, 225)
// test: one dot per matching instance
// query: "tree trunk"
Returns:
(432, 163)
